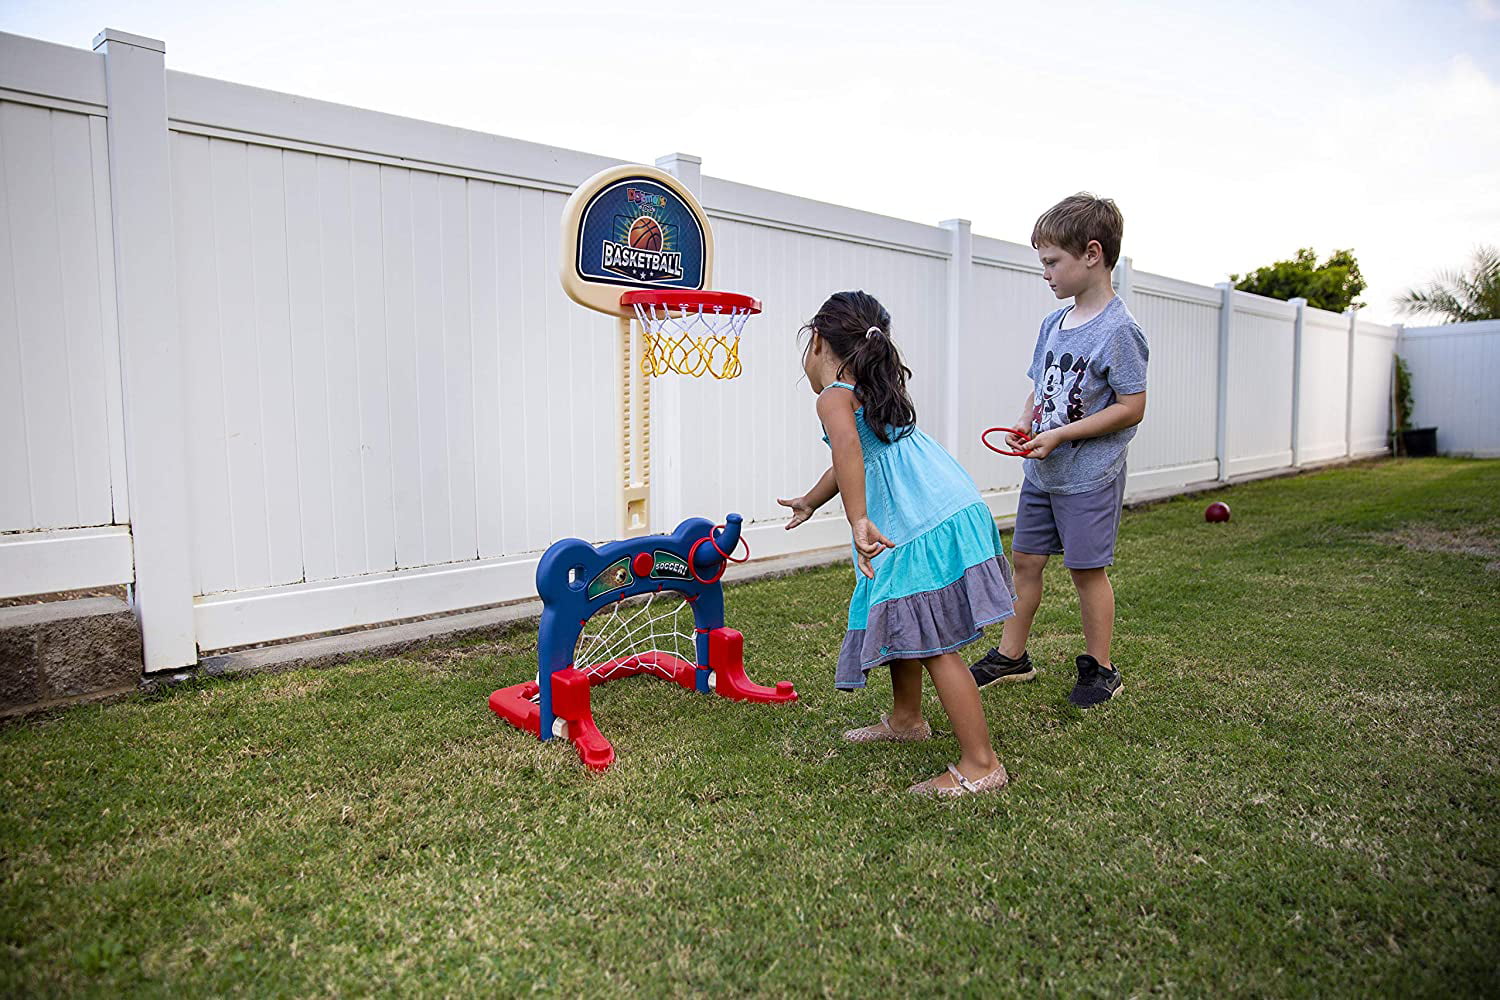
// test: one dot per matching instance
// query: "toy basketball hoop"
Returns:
(636, 244)
(691, 332)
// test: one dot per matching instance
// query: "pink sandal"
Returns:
(882, 732)
(992, 782)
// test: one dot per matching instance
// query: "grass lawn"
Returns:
(1297, 795)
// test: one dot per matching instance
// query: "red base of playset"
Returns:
(570, 691)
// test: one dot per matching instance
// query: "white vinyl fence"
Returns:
(1455, 372)
(327, 352)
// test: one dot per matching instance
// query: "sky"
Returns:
(1230, 134)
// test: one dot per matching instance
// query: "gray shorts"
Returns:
(1079, 526)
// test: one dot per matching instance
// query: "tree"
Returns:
(1333, 284)
(1460, 296)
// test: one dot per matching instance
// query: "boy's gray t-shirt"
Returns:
(1077, 373)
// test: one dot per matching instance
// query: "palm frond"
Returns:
(1460, 296)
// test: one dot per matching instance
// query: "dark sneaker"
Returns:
(1096, 684)
(996, 666)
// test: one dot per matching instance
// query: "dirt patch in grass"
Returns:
(296, 686)
(1481, 540)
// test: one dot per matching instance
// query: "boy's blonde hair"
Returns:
(1076, 220)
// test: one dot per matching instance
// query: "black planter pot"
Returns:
(1419, 442)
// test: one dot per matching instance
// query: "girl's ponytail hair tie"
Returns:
(872, 331)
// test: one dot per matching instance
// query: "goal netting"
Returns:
(654, 634)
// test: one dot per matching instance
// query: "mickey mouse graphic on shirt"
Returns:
(1047, 413)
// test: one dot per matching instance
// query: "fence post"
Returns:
(1221, 435)
(1124, 278)
(1297, 325)
(151, 348)
(1353, 313)
(1395, 430)
(960, 316)
(665, 412)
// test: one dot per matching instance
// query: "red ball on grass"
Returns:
(1216, 512)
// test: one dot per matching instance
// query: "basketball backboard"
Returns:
(633, 227)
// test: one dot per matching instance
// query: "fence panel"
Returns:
(396, 407)
(1370, 398)
(1323, 392)
(64, 505)
(1454, 371)
(378, 358)
(62, 454)
(1176, 442)
(1259, 435)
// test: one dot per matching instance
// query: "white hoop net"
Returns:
(617, 642)
(692, 340)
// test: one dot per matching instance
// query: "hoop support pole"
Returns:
(634, 438)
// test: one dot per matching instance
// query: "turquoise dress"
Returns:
(946, 578)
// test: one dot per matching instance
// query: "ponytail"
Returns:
(858, 330)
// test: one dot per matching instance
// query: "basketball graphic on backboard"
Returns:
(645, 234)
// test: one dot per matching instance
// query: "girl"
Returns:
(939, 577)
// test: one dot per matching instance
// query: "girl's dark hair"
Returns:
(857, 329)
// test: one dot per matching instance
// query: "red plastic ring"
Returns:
(985, 437)
(694, 569)
(725, 555)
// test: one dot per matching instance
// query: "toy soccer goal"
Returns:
(650, 605)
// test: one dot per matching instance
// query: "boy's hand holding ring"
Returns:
(1042, 445)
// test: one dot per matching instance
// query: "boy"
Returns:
(1088, 372)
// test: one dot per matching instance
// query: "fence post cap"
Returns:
(126, 38)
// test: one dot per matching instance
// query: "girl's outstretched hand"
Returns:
(801, 510)
(869, 543)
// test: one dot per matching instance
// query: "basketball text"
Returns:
(641, 265)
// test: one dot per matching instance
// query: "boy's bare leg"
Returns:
(960, 697)
(906, 691)
(1096, 601)
(1028, 570)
